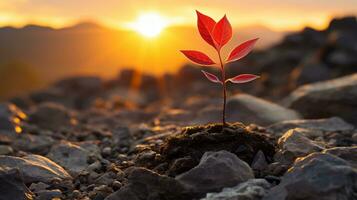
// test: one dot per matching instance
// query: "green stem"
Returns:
(224, 89)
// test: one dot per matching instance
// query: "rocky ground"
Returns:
(291, 136)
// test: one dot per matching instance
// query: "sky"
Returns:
(276, 14)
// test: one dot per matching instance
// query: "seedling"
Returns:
(218, 34)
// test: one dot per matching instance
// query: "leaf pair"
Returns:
(218, 34)
(242, 78)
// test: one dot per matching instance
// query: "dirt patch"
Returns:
(182, 152)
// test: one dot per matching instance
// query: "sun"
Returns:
(149, 24)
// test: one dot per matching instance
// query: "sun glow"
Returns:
(149, 24)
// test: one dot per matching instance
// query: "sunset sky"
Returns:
(275, 14)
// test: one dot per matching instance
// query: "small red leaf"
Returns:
(205, 26)
(222, 32)
(211, 77)
(243, 78)
(241, 50)
(198, 57)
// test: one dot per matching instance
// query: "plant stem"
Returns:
(224, 89)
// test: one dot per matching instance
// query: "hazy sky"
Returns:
(276, 14)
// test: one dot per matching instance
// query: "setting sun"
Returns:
(149, 24)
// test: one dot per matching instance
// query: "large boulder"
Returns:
(317, 176)
(215, 171)
(253, 189)
(35, 168)
(335, 97)
(12, 186)
(144, 184)
(249, 109)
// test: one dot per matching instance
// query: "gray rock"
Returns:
(36, 187)
(122, 136)
(5, 150)
(106, 179)
(249, 109)
(294, 144)
(12, 186)
(39, 144)
(84, 84)
(253, 189)
(51, 116)
(317, 176)
(144, 184)
(335, 97)
(49, 194)
(347, 153)
(72, 157)
(259, 161)
(311, 72)
(35, 168)
(215, 171)
(333, 124)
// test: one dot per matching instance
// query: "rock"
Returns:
(51, 95)
(335, 97)
(346, 153)
(146, 184)
(35, 168)
(310, 73)
(36, 187)
(106, 179)
(107, 151)
(294, 144)
(38, 144)
(215, 171)
(83, 84)
(249, 109)
(6, 150)
(10, 119)
(333, 124)
(122, 136)
(51, 116)
(343, 23)
(49, 194)
(317, 176)
(12, 186)
(72, 157)
(253, 189)
(259, 161)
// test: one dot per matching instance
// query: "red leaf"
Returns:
(222, 32)
(205, 26)
(198, 57)
(211, 77)
(243, 78)
(241, 50)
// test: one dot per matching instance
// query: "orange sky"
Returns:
(276, 14)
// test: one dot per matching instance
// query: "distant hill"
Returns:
(89, 48)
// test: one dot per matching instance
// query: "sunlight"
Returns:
(149, 24)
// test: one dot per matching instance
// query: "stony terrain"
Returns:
(291, 136)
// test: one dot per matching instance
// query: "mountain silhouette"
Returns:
(90, 48)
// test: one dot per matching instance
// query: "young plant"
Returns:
(218, 34)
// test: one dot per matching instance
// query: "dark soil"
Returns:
(182, 152)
